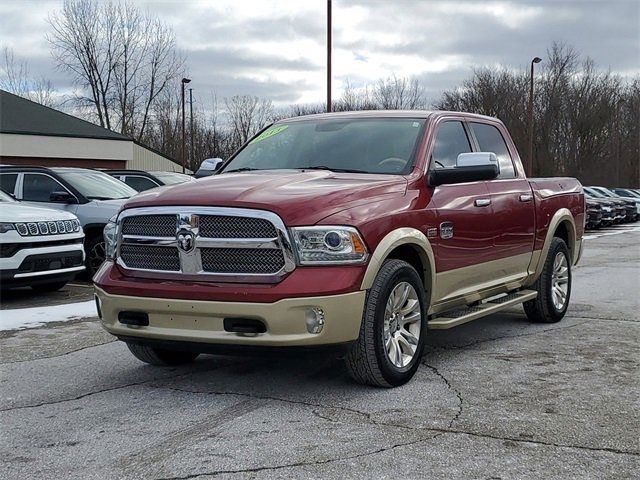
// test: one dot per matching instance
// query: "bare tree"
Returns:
(395, 93)
(122, 58)
(247, 114)
(17, 79)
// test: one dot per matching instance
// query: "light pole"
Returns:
(191, 128)
(182, 84)
(328, 55)
(530, 163)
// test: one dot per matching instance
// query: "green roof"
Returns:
(22, 116)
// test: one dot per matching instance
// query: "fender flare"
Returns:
(563, 215)
(395, 239)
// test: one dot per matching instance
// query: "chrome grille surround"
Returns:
(215, 244)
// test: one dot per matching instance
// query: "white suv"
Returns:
(39, 247)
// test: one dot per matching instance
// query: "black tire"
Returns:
(49, 287)
(542, 308)
(367, 360)
(95, 254)
(161, 357)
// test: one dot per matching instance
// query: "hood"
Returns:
(298, 197)
(16, 212)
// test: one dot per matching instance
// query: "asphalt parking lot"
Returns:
(497, 398)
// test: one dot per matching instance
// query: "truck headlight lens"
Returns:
(328, 244)
(5, 227)
(111, 237)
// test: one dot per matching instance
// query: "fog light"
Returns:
(314, 318)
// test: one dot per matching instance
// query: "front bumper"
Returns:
(202, 321)
(42, 262)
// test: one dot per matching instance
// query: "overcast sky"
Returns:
(276, 48)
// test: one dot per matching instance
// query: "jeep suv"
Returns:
(94, 197)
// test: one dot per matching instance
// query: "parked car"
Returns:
(612, 210)
(594, 214)
(208, 167)
(626, 192)
(93, 196)
(39, 247)
(361, 229)
(631, 208)
(141, 181)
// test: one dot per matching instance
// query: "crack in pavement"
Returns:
(103, 390)
(302, 463)
(452, 388)
(61, 354)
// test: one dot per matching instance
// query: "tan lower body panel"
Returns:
(202, 321)
(466, 285)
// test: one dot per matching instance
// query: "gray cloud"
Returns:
(243, 47)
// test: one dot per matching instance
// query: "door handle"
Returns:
(526, 197)
(482, 202)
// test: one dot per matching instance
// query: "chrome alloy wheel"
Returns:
(402, 324)
(560, 281)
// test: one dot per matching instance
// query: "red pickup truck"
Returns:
(364, 230)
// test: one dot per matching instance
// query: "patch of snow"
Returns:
(21, 318)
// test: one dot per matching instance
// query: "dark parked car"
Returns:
(140, 180)
(594, 214)
(628, 208)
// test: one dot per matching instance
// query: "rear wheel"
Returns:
(159, 356)
(553, 286)
(393, 330)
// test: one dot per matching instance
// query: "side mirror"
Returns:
(209, 167)
(470, 167)
(62, 197)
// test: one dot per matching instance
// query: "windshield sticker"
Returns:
(269, 133)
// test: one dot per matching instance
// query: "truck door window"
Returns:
(490, 140)
(38, 188)
(451, 141)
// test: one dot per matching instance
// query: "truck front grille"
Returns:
(151, 257)
(204, 244)
(242, 260)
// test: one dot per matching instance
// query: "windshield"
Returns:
(605, 193)
(5, 197)
(594, 193)
(171, 178)
(363, 145)
(97, 185)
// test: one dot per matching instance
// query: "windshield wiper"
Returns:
(95, 197)
(332, 169)
(243, 169)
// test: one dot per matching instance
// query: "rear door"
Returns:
(464, 212)
(513, 221)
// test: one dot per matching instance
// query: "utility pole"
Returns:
(530, 162)
(191, 162)
(328, 55)
(184, 158)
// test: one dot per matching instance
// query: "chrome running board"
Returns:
(453, 318)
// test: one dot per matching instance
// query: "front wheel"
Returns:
(553, 286)
(393, 329)
(95, 254)
(159, 356)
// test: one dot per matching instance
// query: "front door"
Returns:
(464, 211)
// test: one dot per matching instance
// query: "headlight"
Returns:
(328, 244)
(111, 237)
(5, 227)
